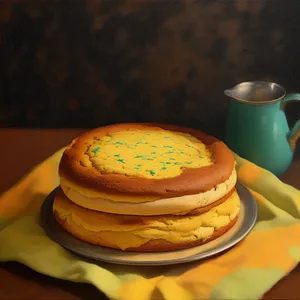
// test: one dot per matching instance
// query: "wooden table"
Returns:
(20, 150)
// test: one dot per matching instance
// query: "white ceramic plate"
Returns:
(239, 231)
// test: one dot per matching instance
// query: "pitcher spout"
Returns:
(229, 93)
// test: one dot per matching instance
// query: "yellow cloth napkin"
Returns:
(247, 271)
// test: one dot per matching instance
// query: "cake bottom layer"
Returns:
(146, 233)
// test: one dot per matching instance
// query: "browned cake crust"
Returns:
(186, 183)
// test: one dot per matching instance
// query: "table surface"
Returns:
(24, 148)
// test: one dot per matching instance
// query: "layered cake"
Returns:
(147, 187)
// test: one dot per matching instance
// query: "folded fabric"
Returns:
(247, 271)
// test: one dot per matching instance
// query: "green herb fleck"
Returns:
(95, 150)
(144, 157)
(181, 152)
(119, 143)
(121, 160)
(177, 163)
(166, 137)
(153, 146)
(151, 172)
(188, 145)
(171, 158)
(117, 155)
(153, 152)
(201, 156)
(188, 162)
(167, 146)
(168, 163)
(164, 168)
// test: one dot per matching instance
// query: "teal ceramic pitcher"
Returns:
(257, 128)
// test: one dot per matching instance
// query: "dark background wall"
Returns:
(74, 63)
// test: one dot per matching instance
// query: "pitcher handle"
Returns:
(294, 134)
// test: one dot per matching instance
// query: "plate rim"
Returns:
(46, 217)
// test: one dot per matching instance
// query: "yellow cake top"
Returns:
(148, 153)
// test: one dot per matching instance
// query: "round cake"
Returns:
(147, 187)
